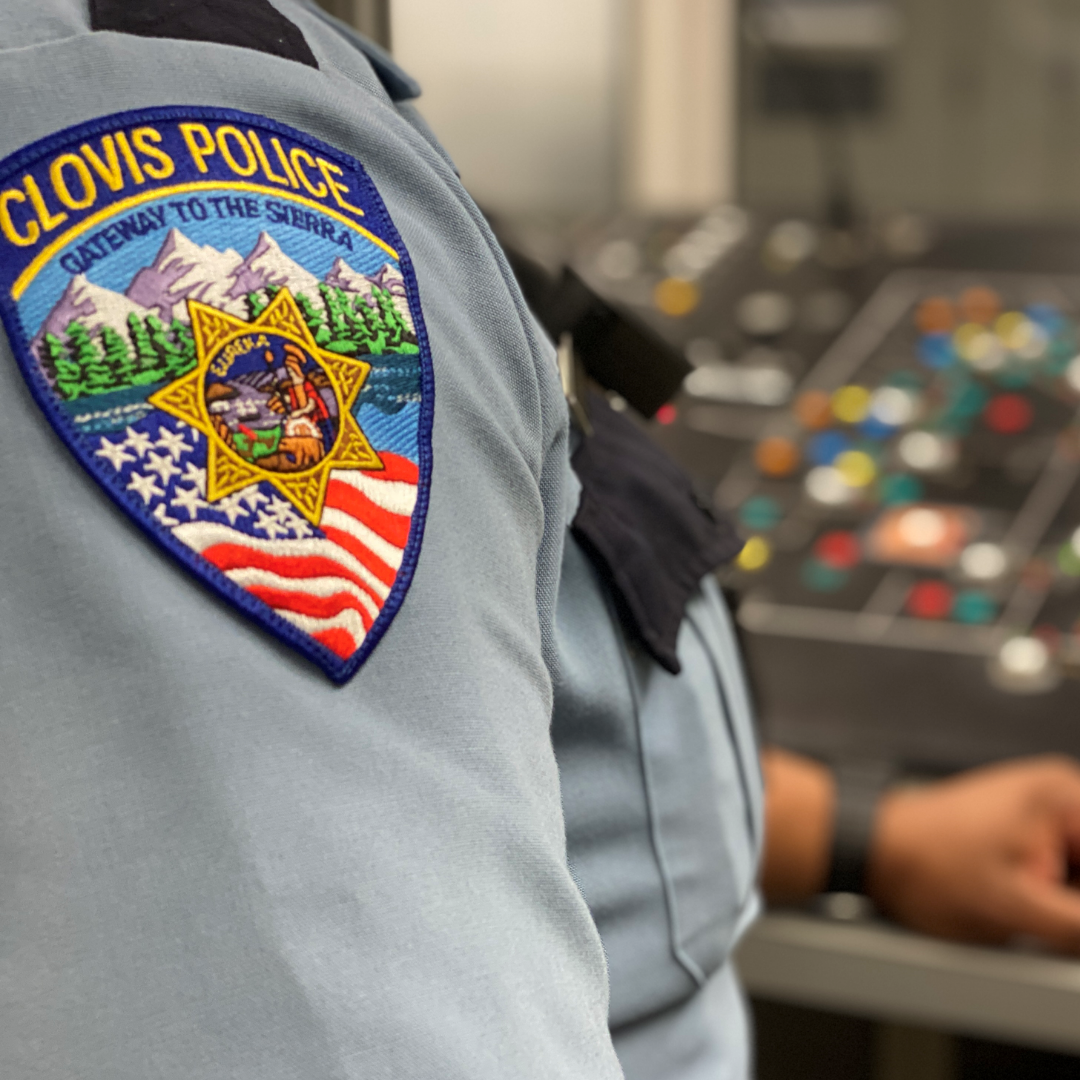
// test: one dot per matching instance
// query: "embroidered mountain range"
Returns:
(96, 341)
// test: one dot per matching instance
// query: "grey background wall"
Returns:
(982, 116)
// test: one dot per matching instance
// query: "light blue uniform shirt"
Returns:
(663, 802)
(215, 864)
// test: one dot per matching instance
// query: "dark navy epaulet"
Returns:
(643, 529)
(398, 85)
(246, 24)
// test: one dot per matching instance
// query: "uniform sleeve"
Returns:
(217, 861)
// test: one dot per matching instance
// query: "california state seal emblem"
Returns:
(216, 314)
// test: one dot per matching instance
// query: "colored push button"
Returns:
(760, 513)
(1068, 556)
(926, 452)
(974, 607)
(818, 577)
(676, 297)
(980, 305)
(839, 550)
(1048, 316)
(857, 468)
(936, 351)
(1009, 326)
(967, 400)
(850, 404)
(667, 414)
(930, 600)
(825, 448)
(825, 485)
(898, 489)
(975, 345)
(1009, 414)
(755, 555)
(813, 409)
(777, 456)
(893, 406)
(983, 562)
(935, 315)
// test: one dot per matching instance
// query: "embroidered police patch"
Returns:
(219, 318)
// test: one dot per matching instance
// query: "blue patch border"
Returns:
(339, 670)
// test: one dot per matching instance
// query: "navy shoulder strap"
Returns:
(247, 24)
(644, 529)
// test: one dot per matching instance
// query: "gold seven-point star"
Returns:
(226, 470)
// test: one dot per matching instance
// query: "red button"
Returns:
(1009, 414)
(666, 415)
(930, 600)
(839, 550)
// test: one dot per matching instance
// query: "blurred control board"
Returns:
(893, 419)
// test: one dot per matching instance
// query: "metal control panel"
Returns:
(893, 418)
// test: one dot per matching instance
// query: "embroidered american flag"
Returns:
(329, 581)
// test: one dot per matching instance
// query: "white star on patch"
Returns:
(114, 453)
(138, 441)
(163, 465)
(173, 443)
(253, 497)
(271, 525)
(231, 508)
(163, 518)
(283, 513)
(196, 476)
(145, 486)
(188, 499)
(281, 510)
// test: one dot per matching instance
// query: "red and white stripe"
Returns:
(332, 588)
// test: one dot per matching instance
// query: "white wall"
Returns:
(523, 95)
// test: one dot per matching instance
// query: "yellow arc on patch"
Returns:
(226, 470)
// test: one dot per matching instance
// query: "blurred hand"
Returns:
(800, 804)
(984, 857)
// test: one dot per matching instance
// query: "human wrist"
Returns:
(800, 810)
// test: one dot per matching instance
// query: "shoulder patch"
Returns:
(217, 315)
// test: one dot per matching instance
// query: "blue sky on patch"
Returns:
(315, 253)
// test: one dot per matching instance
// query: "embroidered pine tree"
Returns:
(341, 327)
(255, 305)
(170, 358)
(372, 332)
(52, 353)
(68, 373)
(145, 354)
(94, 373)
(316, 322)
(185, 345)
(397, 332)
(118, 357)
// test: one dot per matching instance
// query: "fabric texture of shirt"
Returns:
(663, 802)
(216, 864)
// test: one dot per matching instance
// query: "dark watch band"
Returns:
(859, 787)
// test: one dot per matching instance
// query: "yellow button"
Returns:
(676, 297)
(1009, 326)
(755, 555)
(857, 468)
(850, 404)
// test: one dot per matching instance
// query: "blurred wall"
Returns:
(981, 117)
(523, 95)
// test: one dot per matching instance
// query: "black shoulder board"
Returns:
(247, 24)
(643, 529)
